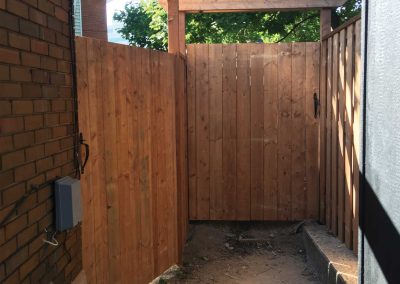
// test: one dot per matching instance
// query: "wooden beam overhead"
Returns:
(219, 6)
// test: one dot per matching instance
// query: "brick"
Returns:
(32, 3)
(58, 106)
(57, 78)
(34, 152)
(5, 107)
(19, 41)
(60, 158)
(20, 74)
(44, 164)
(61, 14)
(24, 172)
(6, 178)
(60, 131)
(16, 226)
(22, 140)
(64, 66)
(33, 122)
(29, 28)
(16, 260)
(8, 21)
(48, 63)
(50, 91)
(40, 76)
(31, 90)
(40, 47)
(2, 268)
(37, 17)
(46, 6)
(6, 144)
(41, 105)
(29, 59)
(37, 213)
(51, 119)
(12, 279)
(7, 249)
(3, 36)
(52, 147)
(11, 125)
(4, 72)
(29, 266)
(55, 51)
(65, 117)
(22, 107)
(10, 90)
(13, 193)
(36, 244)
(62, 40)
(53, 173)
(29, 203)
(47, 35)
(18, 8)
(45, 193)
(13, 159)
(9, 56)
(67, 142)
(2, 6)
(42, 135)
(26, 235)
(38, 273)
(55, 24)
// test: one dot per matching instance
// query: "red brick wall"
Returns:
(94, 18)
(36, 142)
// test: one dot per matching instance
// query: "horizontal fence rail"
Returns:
(253, 135)
(340, 132)
(132, 114)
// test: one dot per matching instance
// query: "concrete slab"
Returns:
(334, 263)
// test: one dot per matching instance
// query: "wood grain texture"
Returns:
(342, 124)
(134, 220)
(257, 99)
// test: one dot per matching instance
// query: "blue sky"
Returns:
(112, 26)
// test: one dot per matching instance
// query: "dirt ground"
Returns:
(243, 252)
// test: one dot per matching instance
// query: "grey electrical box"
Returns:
(68, 203)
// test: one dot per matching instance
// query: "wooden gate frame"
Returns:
(177, 10)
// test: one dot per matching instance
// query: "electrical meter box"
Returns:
(68, 203)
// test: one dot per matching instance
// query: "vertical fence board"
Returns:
(312, 88)
(322, 131)
(215, 93)
(271, 116)
(243, 133)
(298, 151)
(342, 126)
(202, 133)
(192, 157)
(334, 176)
(229, 132)
(284, 130)
(257, 130)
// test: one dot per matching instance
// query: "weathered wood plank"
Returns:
(348, 120)
(215, 93)
(284, 130)
(229, 132)
(271, 117)
(202, 133)
(322, 132)
(341, 149)
(335, 113)
(257, 130)
(298, 150)
(312, 87)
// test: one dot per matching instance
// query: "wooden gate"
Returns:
(253, 136)
(132, 115)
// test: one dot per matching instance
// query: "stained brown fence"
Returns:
(132, 115)
(340, 131)
(252, 134)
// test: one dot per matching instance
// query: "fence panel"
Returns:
(339, 132)
(132, 110)
(253, 137)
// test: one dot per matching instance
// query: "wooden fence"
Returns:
(340, 131)
(132, 115)
(252, 134)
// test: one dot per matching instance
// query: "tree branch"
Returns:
(296, 26)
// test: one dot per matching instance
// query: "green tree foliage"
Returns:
(144, 24)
